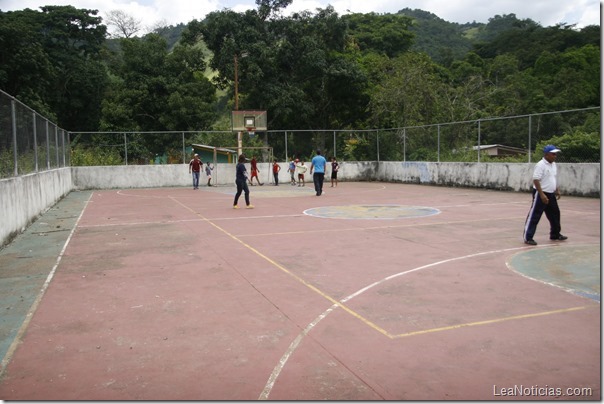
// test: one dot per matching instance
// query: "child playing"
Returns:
(301, 170)
(209, 169)
(292, 169)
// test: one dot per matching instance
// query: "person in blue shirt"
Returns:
(317, 165)
(292, 170)
(241, 182)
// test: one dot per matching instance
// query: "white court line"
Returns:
(185, 221)
(34, 306)
(294, 345)
(392, 226)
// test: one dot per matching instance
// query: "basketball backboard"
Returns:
(248, 121)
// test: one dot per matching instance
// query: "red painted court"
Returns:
(372, 291)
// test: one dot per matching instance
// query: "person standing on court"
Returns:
(317, 165)
(209, 169)
(292, 170)
(276, 169)
(241, 182)
(254, 169)
(195, 167)
(334, 171)
(545, 197)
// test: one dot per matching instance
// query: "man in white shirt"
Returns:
(545, 197)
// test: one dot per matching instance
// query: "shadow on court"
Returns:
(372, 291)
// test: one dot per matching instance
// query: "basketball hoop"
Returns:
(251, 131)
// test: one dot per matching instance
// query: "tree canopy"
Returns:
(310, 70)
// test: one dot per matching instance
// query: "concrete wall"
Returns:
(23, 199)
(574, 179)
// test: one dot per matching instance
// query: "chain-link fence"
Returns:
(30, 143)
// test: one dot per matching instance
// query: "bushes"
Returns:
(95, 156)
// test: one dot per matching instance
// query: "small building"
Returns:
(499, 150)
(208, 153)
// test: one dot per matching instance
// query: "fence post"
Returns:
(126, 147)
(57, 145)
(184, 151)
(68, 148)
(438, 144)
(35, 141)
(335, 144)
(15, 153)
(478, 147)
(286, 155)
(47, 146)
(63, 146)
(377, 141)
(529, 137)
(405, 144)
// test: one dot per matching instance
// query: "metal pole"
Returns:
(69, 147)
(529, 138)
(184, 157)
(335, 153)
(438, 144)
(214, 177)
(47, 147)
(15, 154)
(236, 84)
(479, 140)
(377, 141)
(57, 144)
(405, 144)
(239, 141)
(63, 144)
(126, 148)
(286, 155)
(35, 141)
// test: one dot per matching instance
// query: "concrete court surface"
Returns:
(372, 291)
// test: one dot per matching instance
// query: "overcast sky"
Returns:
(172, 12)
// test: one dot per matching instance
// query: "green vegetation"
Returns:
(311, 70)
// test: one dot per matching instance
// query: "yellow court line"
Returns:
(285, 270)
(493, 321)
(357, 315)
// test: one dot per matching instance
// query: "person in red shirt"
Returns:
(254, 170)
(276, 169)
(195, 167)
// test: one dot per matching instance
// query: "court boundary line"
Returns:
(34, 306)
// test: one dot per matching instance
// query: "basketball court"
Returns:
(372, 291)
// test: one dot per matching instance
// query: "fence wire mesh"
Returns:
(31, 143)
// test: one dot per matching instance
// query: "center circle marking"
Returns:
(374, 212)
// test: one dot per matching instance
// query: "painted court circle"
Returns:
(379, 212)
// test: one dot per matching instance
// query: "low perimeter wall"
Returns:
(23, 199)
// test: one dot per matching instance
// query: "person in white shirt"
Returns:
(545, 197)
(301, 167)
